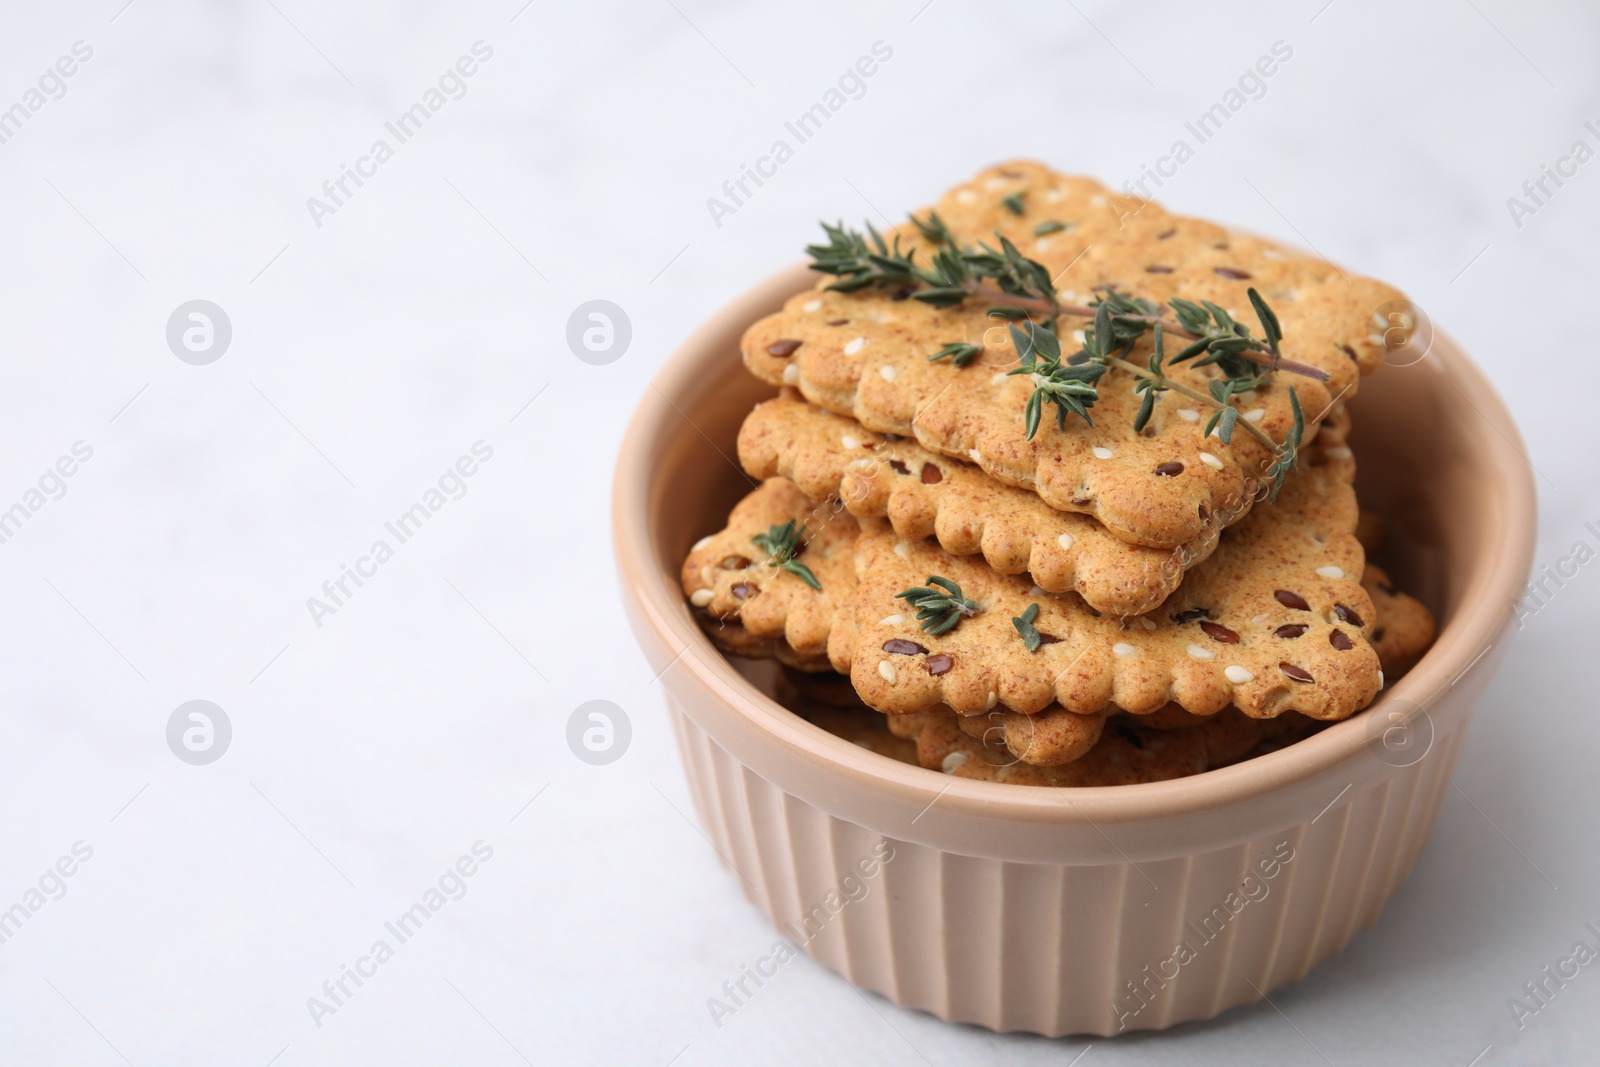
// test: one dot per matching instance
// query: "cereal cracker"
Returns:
(1275, 620)
(1126, 755)
(1403, 628)
(750, 606)
(923, 494)
(866, 355)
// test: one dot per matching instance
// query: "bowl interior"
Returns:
(1437, 455)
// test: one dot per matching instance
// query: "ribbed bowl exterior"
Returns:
(1057, 948)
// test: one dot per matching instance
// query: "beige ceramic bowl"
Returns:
(1098, 910)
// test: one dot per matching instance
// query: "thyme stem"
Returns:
(1164, 382)
(1019, 287)
(1052, 308)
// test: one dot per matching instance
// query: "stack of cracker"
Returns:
(1136, 608)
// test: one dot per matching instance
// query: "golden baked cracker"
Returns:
(733, 579)
(906, 726)
(1131, 750)
(923, 494)
(1223, 739)
(878, 372)
(1047, 738)
(731, 637)
(1402, 629)
(1229, 734)
(1274, 620)
(1115, 239)
(865, 355)
(1126, 754)
(1056, 736)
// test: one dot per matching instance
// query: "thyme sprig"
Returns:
(782, 545)
(953, 273)
(939, 609)
(1020, 286)
(1069, 385)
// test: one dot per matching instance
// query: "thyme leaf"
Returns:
(958, 352)
(782, 544)
(940, 604)
(1024, 624)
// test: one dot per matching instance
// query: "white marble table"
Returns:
(379, 338)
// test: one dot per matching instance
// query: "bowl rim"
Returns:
(1481, 616)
